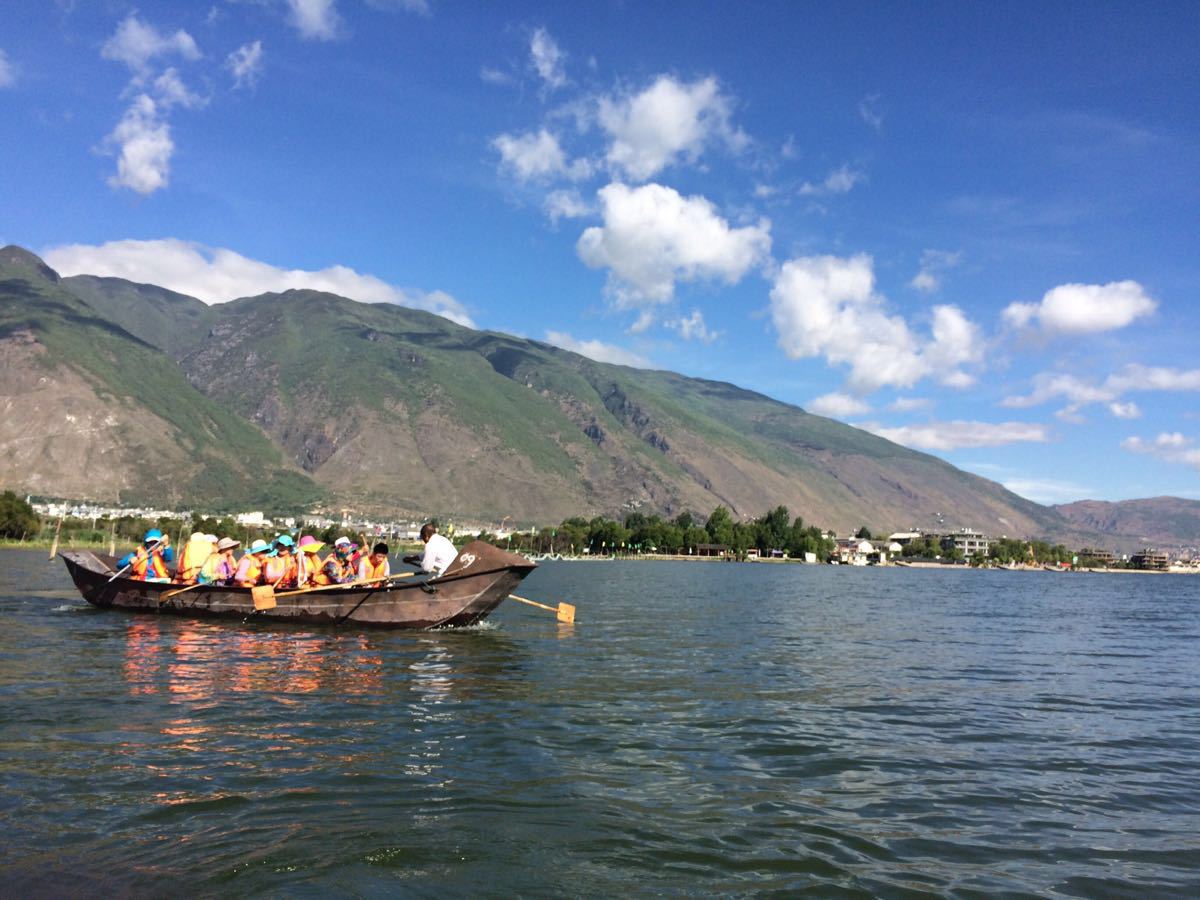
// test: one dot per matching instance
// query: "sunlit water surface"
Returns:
(704, 728)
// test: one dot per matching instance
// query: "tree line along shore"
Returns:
(774, 535)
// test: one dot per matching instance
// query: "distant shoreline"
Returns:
(663, 557)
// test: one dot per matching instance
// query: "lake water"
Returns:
(702, 729)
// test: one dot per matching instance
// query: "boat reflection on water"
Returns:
(199, 661)
(202, 661)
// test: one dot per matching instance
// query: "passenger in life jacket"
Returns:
(250, 569)
(375, 568)
(339, 568)
(221, 566)
(280, 570)
(149, 561)
(310, 568)
(196, 552)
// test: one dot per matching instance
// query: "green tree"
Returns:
(720, 527)
(17, 518)
(776, 529)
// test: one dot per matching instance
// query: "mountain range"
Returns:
(131, 392)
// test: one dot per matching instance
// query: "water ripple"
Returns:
(703, 729)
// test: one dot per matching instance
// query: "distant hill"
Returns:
(389, 407)
(1163, 522)
(92, 411)
(127, 390)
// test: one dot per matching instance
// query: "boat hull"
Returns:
(471, 588)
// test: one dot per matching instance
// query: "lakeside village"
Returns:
(775, 537)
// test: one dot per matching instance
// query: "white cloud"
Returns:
(8, 74)
(838, 405)
(840, 181)
(908, 404)
(868, 111)
(693, 328)
(933, 264)
(537, 156)
(652, 237)
(565, 205)
(315, 19)
(216, 275)
(420, 7)
(136, 43)
(495, 76)
(246, 64)
(597, 350)
(170, 90)
(1083, 308)
(547, 59)
(1170, 447)
(958, 434)
(827, 306)
(145, 148)
(1125, 410)
(665, 123)
(1081, 392)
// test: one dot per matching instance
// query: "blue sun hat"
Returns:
(152, 535)
(285, 540)
(259, 546)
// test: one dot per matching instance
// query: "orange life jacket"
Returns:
(253, 574)
(280, 571)
(372, 571)
(195, 554)
(149, 565)
(312, 568)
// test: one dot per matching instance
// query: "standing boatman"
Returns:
(439, 552)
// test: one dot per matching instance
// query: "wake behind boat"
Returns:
(478, 580)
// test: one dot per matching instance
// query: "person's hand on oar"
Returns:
(152, 547)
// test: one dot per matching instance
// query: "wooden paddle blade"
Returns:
(566, 613)
(264, 596)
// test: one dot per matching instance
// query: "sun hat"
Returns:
(310, 544)
(211, 538)
(153, 535)
(285, 540)
(259, 546)
(343, 540)
(227, 544)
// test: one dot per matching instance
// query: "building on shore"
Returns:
(1156, 560)
(971, 543)
(1102, 557)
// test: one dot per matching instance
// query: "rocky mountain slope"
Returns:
(91, 411)
(1164, 522)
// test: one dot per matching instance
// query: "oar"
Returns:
(121, 571)
(564, 611)
(191, 587)
(345, 584)
(54, 546)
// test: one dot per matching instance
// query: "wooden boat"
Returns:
(478, 580)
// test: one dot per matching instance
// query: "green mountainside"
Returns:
(376, 407)
(162, 318)
(94, 411)
(392, 408)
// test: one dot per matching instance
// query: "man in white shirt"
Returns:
(439, 552)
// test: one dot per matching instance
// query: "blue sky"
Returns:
(972, 228)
